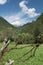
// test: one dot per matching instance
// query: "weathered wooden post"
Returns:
(2, 50)
(9, 62)
(5, 42)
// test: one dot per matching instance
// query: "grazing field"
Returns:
(19, 57)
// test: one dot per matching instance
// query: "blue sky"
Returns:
(20, 12)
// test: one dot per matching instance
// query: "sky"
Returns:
(20, 12)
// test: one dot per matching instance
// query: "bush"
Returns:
(24, 37)
(36, 34)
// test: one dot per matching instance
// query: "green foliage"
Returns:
(40, 38)
(36, 34)
(24, 37)
(7, 30)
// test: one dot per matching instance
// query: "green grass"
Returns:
(16, 53)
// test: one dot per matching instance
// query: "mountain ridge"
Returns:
(30, 27)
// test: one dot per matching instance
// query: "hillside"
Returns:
(6, 28)
(30, 27)
(5, 25)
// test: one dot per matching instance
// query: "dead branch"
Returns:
(5, 45)
(9, 62)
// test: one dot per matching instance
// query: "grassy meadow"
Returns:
(21, 32)
(18, 52)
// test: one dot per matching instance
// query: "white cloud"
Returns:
(20, 18)
(18, 23)
(3, 2)
(14, 17)
(16, 20)
(31, 12)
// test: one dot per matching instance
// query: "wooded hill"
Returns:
(6, 29)
(29, 28)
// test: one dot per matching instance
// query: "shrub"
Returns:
(24, 37)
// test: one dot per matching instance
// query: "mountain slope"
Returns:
(30, 27)
(4, 24)
(6, 29)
